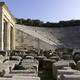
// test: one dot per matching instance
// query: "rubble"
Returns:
(69, 77)
(62, 67)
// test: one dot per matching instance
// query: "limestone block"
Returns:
(2, 78)
(22, 74)
(69, 77)
(25, 78)
(68, 71)
(78, 65)
(2, 59)
(60, 65)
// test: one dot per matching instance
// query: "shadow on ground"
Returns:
(45, 75)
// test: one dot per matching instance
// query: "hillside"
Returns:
(50, 37)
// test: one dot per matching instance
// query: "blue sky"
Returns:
(45, 10)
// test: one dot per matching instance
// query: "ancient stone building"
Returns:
(7, 28)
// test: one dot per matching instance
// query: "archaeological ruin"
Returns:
(37, 53)
(7, 28)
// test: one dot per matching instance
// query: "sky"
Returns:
(45, 10)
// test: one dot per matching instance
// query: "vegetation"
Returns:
(30, 22)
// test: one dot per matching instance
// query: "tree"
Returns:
(29, 22)
(37, 23)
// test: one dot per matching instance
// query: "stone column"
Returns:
(2, 32)
(5, 34)
(8, 36)
(13, 39)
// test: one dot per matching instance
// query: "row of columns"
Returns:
(7, 35)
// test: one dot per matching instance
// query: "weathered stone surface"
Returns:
(68, 71)
(69, 77)
(60, 65)
(30, 64)
(2, 59)
(50, 38)
(25, 78)
(7, 28)
(20, 78)
(78, 65)
(22, 74)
